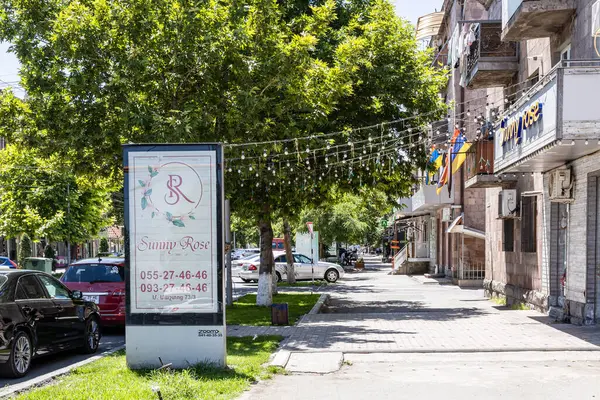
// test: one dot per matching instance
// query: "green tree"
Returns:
(41, 198)
(24, 250)
(99, 74)
(103, 245)
(347, 217)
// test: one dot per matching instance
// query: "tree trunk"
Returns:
(287, 243)
(264, 296)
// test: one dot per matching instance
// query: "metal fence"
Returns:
(472, 271)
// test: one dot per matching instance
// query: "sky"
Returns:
(409, 9)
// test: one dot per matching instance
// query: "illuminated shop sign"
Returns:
(512, 128)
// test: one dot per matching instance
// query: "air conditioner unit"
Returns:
(560, 185)
(508, 204)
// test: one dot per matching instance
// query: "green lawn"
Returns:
(109, 377)
(246, 312)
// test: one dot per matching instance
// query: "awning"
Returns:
(452, 228)
(465, 230)
(429, 25)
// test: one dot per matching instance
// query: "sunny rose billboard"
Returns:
(174, 229)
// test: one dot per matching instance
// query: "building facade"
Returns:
(523, 79)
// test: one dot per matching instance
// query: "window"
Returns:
(91, 273)
(28, 287)
(54, 288)
(508, 242)
(302, 259)
(529, 225)
(280, 259)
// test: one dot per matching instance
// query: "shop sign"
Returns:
(513, 128)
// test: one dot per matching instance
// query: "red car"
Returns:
(102, 281)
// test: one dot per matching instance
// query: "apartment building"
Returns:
(524, 76)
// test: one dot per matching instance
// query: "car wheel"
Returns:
(19, 361)
(332, 275)
(92, 335)
(278, 276)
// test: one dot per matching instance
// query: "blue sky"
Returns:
(409, 9)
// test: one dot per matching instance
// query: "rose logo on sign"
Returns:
(172, 191)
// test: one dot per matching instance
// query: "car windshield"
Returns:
(93, 273)
(251, 256)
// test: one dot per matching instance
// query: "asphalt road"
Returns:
(111, 338)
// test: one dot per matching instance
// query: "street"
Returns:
(111, 339)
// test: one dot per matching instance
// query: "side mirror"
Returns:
(77, 295)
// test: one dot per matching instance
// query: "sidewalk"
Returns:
(373, 312)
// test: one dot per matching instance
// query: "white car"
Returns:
(303, 269)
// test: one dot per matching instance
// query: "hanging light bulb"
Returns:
(326, 159)
(506, 100)
(265, 153)
(239, 171)
(243, 156)
(257, 184)
(268, 168)
(307, 150)
(230, 167)
(285, 151)
(250, 168)
(468, 113)
(273, 172)
(242, 184)
(572, 143)
(328, 146)
(587, 142)
(364, 151)
(257, 174)
(370, 139)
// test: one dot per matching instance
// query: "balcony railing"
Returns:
(490, 62)
(480, 159)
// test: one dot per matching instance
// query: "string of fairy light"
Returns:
(379, 148)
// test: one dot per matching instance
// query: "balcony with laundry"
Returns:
(483, 59)
(532, 19)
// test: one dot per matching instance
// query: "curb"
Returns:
(472, 350)
(38, 381)
(319, 304)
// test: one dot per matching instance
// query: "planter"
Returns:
(359, 265)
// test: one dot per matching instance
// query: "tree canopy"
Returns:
(299, 80)
(44, 199)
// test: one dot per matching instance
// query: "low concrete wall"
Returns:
(412, 268)
(515, 295)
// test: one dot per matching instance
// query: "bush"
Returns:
(103, 245)
(24, 250)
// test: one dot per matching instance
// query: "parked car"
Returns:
(303, 268)
(39, 315)
(236, 266)
(7, 262)
(101, 281)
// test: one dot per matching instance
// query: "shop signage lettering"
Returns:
(512, 128)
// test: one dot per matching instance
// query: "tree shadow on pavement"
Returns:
(589, 334)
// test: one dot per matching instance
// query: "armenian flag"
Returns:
(459, 153)
(449, 158)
